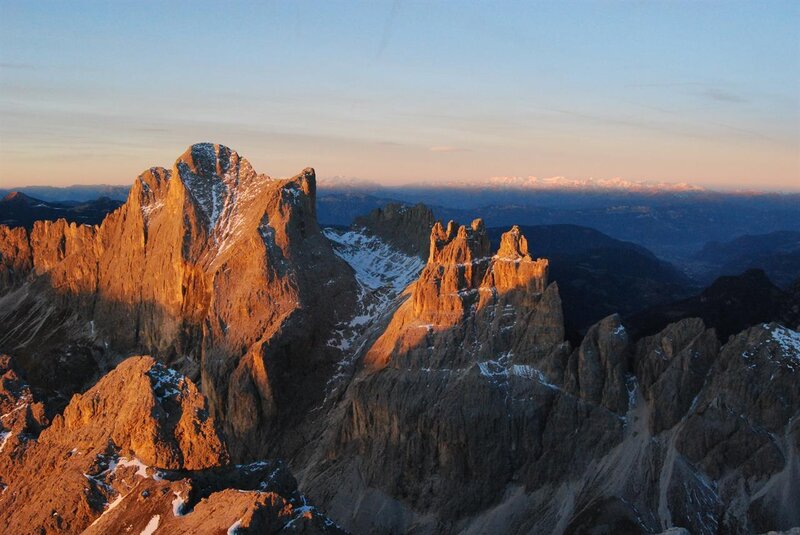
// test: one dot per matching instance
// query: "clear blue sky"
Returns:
(705, 92)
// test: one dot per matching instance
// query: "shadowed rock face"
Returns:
(212, 267)
(405, 227)
(452, 404)
(471, 414)
(730, 305)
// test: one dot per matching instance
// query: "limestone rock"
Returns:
(597, 369)
(447, 402)
(140, 449)
(405, 227)
(207, 267)
(16, 261)
(468, 306)
(671, 368)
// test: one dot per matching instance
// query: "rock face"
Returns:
(15, 257)
(405, 227)
(468, 305)
(140, 449)
(450, 404)
(209, 267)
(598, 275)
(435, 396)
(21, 417)
(470, 414)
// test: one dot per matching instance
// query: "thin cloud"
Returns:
(721, 95)
(448, 149)
(387, 29)
(17, 66)
(705, 90)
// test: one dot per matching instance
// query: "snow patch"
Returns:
(234, 529)
(783, 346)
(109, 507)
(376, 263)
(149, 209)
(4, 436)
(151, 526)
(166, 381)
(177, 504)
(381, 271)
(304, 511)
(499, 369)
(141, 468)
(789, 342)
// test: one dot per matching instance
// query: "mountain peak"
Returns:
(513, 244)
(207, 159)
(458, 244)
(18, 197)
(209, 172)
(406, 227)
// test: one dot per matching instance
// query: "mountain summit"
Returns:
(168, 370)
(216, 269)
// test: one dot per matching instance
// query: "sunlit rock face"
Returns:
(414, 380)
(470, 306)
(138, 451)
(213, 268)
(471, 414)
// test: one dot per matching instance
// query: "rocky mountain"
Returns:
(729, 305)
(599, 275)
(76, 193)
(20, 210)
(139, 452)
(777, 253)
(470, 413)
(221, 272)
(406, 227)
(674, 225)
(406, 391)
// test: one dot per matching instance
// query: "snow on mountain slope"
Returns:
(382, 273)
(376, 263)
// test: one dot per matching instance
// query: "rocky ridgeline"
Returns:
(471, 412)
(435, 398)
(215, 269)
(407, 228)
(468, 305)
(137, 450)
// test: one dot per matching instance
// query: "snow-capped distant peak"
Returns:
(524, 183)
(560, 182)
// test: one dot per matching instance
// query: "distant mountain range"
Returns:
(533, 183)
(72, 193)
(730, 304)
(19, 210)
(777, 253)
(673, 220)
(598, 275)
(174, 368)
(674, 225)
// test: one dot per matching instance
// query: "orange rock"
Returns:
(463, 288)
(211, 267)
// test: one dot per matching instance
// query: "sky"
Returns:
(395, 92)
